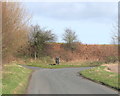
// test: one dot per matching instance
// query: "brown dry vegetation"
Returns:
(82, 52)
(14, 28)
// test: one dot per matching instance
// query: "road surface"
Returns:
(64, 81)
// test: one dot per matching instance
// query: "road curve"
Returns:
(64, 81)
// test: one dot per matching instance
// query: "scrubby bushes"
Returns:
(84, 52)
(111, 59)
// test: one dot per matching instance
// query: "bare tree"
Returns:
(69, 37)
(116, 35)
(14, 27)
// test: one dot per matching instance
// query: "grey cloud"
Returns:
(75, 11)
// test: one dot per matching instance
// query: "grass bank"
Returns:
(15, 79)
(99, 75)
(45, 64)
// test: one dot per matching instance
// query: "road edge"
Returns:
(29, 78)
(100, 83)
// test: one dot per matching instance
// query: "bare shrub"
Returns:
(14, 28)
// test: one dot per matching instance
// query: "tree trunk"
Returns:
(35, 56)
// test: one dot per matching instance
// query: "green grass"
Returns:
(44, 64)
(51, 66)
(98, 74)
(15, 79)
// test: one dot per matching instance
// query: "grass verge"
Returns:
(63, 64)
(15, 79)
(99, 75)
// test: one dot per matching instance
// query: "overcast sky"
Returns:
(92, 22)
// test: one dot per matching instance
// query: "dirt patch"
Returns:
(112, 67)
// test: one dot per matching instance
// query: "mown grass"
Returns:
(63, 64)
(15, 79)
(99, 75)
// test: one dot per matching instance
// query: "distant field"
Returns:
(100, 75)
(15, 79)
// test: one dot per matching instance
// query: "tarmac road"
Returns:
(64, 81)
